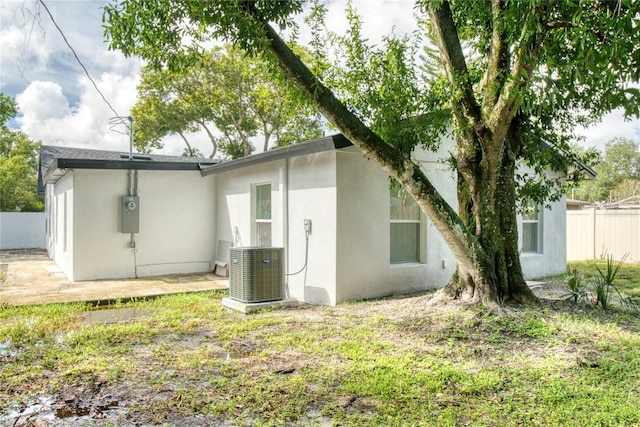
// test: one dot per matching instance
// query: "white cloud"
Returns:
(60, 106)
(380, 18)
(34, 49)
(612, 125)
(46, 115)
(42, 101)
(25, 49)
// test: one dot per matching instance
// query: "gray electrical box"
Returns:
(130, 208)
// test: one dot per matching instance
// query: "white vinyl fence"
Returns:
(22, 230)
(596, 234)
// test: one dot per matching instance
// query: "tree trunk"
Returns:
(186, 142)
(497, 275)
(517, 290)
(267, 136)
(213, 140)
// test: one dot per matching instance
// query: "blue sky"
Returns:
(59, 105)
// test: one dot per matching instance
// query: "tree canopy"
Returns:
(231, 96)
(512, 77)
(18, 165)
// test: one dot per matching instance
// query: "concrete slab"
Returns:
(533, 284)
(247, 308)
(34, 279)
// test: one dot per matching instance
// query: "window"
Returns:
(531, 229)
(263, 215)
(405, 227)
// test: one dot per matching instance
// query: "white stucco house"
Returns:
(83, 204)
(366, 240)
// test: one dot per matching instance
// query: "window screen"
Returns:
(405, 227)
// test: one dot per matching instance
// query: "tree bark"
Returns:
(517, 289)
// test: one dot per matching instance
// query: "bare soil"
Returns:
(93, 401)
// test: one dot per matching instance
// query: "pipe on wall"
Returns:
(285, 211)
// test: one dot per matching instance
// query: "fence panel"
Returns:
(22, 230)
(595, 234)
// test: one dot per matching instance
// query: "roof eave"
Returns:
(61, 166)
(332, 142)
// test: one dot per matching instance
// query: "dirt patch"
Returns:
(10, 255)
(163, 391)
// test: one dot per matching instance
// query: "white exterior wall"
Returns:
(551, 260)
(364, 268)
(177, 233)
(235, 214)
(363, 224)
(49, 218)
(301, 188)
(177, 223)
(60, 240)
(553, 257)
(312, 195)
(183, 216)
(22, 230)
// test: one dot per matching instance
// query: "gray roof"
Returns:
(56, 160)
(332, 142)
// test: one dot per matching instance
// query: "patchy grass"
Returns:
(627, 280)
(187, 360)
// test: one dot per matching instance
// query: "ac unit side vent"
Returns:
(256, 274)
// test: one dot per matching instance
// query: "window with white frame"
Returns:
(263, 214)
(532, 229)
(405, 227)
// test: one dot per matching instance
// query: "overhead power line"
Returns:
(78, 59)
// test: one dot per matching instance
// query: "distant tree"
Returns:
(162, 111)
(629, 189)
(618, 170)
(18, 165)
(8, 109)
(231, 96)
(191, 152)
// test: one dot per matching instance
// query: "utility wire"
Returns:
(79, 61)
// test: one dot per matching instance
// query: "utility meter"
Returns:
(130, 214)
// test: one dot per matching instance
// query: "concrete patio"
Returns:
(30, 277)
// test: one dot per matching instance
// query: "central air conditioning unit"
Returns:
(255, 274)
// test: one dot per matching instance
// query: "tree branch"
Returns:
(463, 244)
(492, 80)
(189, 148)
(446, 37)
(212, 138)
(520, 74)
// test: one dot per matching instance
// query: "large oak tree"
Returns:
(514, 72)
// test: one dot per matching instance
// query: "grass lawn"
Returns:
(187, 360)
(627, 279)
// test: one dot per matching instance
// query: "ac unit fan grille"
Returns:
(255, 274)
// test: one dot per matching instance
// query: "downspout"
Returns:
(133, 191)
(130, 189)
(130, 139)
(285, 216)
